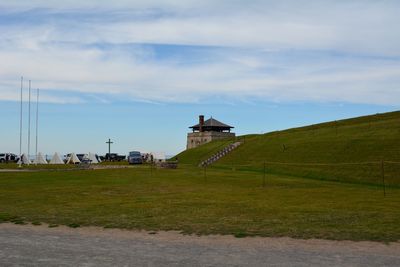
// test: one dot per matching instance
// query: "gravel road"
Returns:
(29, 245)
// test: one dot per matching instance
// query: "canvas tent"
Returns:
(91, 157)
(158, 156)
(23, 159)
(40, 159)
(56, 159)
(73, 159)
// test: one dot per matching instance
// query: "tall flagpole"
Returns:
(20, 127)
(37, 121)
(29, 123)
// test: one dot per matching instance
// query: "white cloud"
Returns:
(56, 48)
(356, 26)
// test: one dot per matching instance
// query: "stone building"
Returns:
(207, 131)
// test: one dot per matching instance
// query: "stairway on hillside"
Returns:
(219, 154)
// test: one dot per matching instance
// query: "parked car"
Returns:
(135, 157)
(113, 157)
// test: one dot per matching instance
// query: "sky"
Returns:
(140, 72)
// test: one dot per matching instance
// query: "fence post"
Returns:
(383, 177)
(264, 175)
(336, 130)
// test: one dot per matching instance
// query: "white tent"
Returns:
(158, 156)
(85, 157)
(56, 159)
(73, 159)
(23, 159)
(91, 157)
(40, 159)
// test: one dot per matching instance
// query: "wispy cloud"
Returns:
(346, 51)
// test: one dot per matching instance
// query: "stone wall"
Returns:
(199, 138)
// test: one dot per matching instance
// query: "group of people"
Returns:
(8, 158)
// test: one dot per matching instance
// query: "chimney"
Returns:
(201, 123)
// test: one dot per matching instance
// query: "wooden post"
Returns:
(383, 177)
(264, 176)
(336, 128)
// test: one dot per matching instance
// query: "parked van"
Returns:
(135, 157)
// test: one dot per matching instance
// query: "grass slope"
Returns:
(364, 139)
(225, 202)
(196, 155)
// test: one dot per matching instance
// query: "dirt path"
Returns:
(14, 170)
(92, 167)
(92, 246)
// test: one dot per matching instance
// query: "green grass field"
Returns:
(222, 202)
(330, 186)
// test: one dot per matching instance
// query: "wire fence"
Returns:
(385, 174)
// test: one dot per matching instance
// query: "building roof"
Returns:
(212, 123)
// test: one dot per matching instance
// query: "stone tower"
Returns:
(207, 131)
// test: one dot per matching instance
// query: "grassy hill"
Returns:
(329, 151)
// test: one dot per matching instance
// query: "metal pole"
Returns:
(29, 123)
(37, 123)
(383, 177)
(20, 127)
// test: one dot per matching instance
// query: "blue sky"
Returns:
(140, 72)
